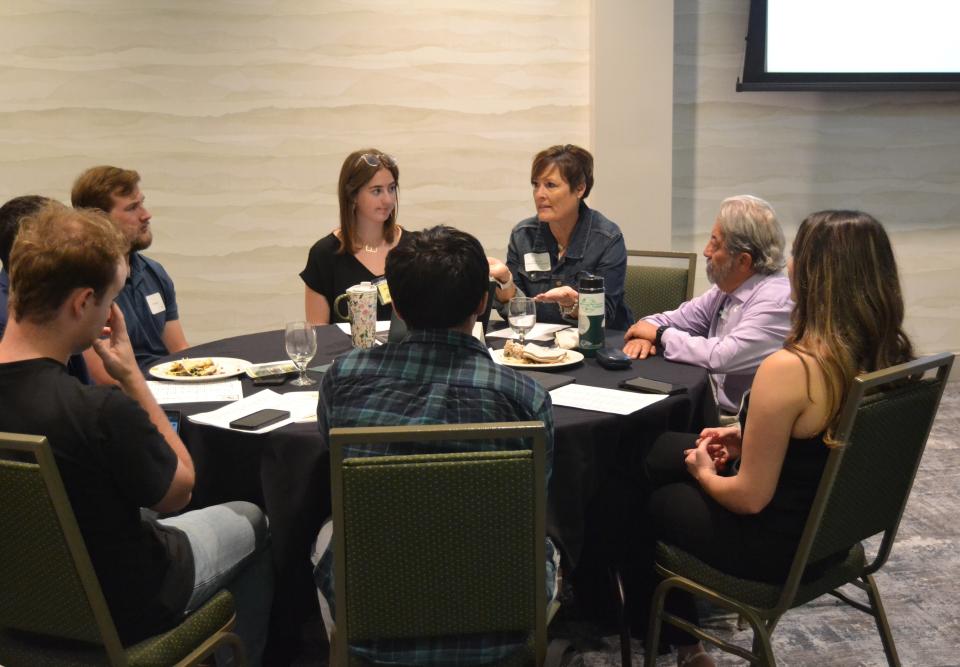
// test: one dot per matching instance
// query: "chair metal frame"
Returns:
(343, 437)
(764, 620)
(38, 449)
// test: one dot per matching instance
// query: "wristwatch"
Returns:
(656, 339)
(569, 311)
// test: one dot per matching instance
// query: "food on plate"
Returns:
(533, 354)
(192, 368)
(568, 339)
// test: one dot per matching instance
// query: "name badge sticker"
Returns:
(383, 291)
(537, 261)
(155, 303)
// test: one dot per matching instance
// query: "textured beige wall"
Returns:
(631, 117)
(238, 115)
(894, 155)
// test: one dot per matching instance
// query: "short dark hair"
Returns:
(575, 165)
(96, 187)
(58, 250)
(437, 277)
(11, 214)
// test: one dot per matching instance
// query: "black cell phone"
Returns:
(652, 386)
(271, 380)
(259, 419)
(613, 359)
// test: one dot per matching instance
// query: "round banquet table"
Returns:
(286, 471)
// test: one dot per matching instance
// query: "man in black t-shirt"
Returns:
(115, 448)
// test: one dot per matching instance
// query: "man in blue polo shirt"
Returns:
(148, 299)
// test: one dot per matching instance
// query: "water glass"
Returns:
(522, 315)
(300, 339)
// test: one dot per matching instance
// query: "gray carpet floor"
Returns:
(918, 584)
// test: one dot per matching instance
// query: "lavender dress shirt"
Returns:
(729, 334)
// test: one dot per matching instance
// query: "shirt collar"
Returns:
(137, 265)
(748, 287)
(578, 240)
(444, 337)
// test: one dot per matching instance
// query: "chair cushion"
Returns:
(19, 648)
(175, 644)
(672, 560)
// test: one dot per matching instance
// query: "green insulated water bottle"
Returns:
(591, 320)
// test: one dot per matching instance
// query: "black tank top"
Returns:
(803, 464)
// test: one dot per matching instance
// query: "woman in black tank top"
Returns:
(738, 497)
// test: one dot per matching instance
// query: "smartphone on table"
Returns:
(649, 386)
(259, 419)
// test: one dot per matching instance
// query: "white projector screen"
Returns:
(863, 36)
(852, 45)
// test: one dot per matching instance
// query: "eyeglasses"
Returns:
(378, 160)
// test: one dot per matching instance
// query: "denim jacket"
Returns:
(596, 246)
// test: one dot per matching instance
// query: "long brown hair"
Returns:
(354, 174)
(849, 306)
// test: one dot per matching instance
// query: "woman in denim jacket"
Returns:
(566, 239)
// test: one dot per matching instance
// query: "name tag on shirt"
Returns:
(536, 261)
(155, 303)
(383, 291)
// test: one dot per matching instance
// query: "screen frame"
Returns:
(756, 78)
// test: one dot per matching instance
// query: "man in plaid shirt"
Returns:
(439, 374)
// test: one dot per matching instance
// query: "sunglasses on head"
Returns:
(378, 160)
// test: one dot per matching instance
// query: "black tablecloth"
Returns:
(286, 471)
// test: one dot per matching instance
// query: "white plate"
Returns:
(227, 367)
(573, 357)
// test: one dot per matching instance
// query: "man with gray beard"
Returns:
(742, 318)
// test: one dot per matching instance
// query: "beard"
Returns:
(141, 242)
(719, 272)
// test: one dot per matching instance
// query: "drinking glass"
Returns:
(300, 339)
(522, 315)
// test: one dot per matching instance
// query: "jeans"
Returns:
(231, 549)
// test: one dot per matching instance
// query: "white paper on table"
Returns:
(601, 399)
(195, 392)
(262, 400)
(382, 326)
(540, 331)
(302, 405)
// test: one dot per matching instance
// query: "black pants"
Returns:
(680, 513)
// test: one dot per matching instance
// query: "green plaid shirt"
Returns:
(432, 377)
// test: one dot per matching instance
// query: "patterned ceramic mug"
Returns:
(362, 313)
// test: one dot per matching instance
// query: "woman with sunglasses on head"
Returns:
(357, 250)
(549, 252)
(848, 320)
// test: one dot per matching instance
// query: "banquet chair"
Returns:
(439, 545)
(651, 289)
(883, 428)
(53, 611)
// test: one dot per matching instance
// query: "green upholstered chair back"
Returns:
(52, 610)
(47, 583)
(434, 545)
(883, 431)
(655, 289)
(884, 424)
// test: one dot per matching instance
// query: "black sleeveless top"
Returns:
(786, 514)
